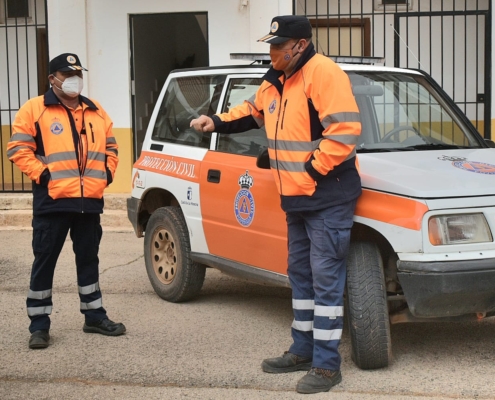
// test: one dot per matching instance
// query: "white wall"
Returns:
(98, 32)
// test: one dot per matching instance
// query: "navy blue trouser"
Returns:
(49, 234)
(318, 245)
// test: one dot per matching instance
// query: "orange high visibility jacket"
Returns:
(67, 175)
(312, 124)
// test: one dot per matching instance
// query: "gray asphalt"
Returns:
(208, 348)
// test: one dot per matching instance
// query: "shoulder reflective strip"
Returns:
(340, 117)
(324, 334)
(329, 311)
(33, 311)
(111, 140)
(394, 210)
(303, 304)
(39, 295)
(304, 326)
(96, 155)
(92, 306)
(21, 137)
(292, 145)
(115, 151)
(345, 139)
(287, 166)
(89, 289)
(95, 173)
(68, 173)
(62, 156)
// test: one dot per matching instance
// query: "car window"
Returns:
(401, 111)
(246, 143)
(187, 98)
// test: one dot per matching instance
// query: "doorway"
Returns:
(160, 43)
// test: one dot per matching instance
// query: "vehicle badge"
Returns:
(189, 193)
(272, 106)
(471, 166)
(137, 181)
(56, 128)
(244, 201)
(274, 27)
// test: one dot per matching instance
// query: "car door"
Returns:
(241, 213)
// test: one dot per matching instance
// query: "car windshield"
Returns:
(403, 112)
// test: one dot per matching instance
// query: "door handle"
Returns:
(213, 176)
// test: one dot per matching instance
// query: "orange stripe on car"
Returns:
(395, 210)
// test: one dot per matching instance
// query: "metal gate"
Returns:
(23, 73)
(450, 40)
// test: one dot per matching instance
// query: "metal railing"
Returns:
(450, 40)
(23, 74)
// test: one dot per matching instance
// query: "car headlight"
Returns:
(458, 229)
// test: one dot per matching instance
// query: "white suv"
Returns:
(423, 238)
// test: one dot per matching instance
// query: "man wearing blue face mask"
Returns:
(64, 143)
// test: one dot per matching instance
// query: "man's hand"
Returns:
(203, 124)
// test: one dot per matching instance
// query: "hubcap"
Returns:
(164, 256)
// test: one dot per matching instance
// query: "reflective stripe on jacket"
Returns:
(44, 136)
(313, 125)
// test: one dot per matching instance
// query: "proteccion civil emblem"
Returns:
(272, 106)
(471, 166)
(244, 201)
(56, 128)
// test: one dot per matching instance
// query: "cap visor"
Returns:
(272, 39)
(72, 68)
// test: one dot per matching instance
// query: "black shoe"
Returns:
(105, 327)
(318, 380)
(287, 363)
(39, 340)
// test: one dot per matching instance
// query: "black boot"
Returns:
(318, 380)
(39, 340)
(287, 363)
(105, 327)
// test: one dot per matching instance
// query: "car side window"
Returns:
(246, 143)
(187, 98)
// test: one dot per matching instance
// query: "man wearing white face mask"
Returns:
(64, 143)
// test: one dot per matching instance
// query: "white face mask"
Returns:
(72, 86)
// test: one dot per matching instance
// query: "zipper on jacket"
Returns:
(276, 134)
(92, 133)
(283, 114)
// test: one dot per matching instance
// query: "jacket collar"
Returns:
(51, 99)
(273, 76)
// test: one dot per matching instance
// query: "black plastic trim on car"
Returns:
(242, 271)
(446, 266)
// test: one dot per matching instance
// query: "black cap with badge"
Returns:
(287, 27)
(66, 62)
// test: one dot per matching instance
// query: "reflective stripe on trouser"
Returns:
(49, 234)
(318, 245)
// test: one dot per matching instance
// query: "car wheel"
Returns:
(172, 273)
(366, 307)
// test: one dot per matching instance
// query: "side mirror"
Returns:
(263, 160)
(490, 143)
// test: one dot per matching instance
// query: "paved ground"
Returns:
(209, 348)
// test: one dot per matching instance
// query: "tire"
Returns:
(167, 255)
(366, 307)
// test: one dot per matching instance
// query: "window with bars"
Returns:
(10, 10)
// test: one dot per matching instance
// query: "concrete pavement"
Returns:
(208, 348)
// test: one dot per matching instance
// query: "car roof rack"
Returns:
(264, 58)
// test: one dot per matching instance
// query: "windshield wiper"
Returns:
(435, 146)
(383, 149)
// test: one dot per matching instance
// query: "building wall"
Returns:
(98, 31)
